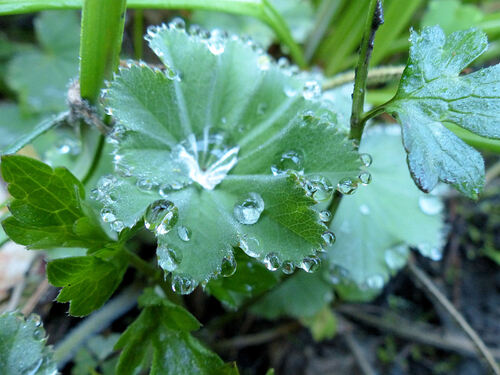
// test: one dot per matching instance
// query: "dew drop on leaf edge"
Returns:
(249, 210)
(161, 216)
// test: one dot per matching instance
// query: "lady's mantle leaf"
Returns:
(47, 209)
(375, 226)
(163, 329)
(22, 346)
(432, 92)
(238, 146)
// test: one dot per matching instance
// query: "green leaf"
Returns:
(13, 125)
(375, 226)
(22, 346)
(40, 76)
(161, 332)
(323, 325)
(301, 295)
(222, 107)
(47, 206)
(432, 92)
(298, 14)
(87, 281)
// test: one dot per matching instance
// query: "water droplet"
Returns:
(249, 211)
(347, 186)
(374, 282)
(321, 188)
(68, 146)
(177, 24)
(117, 226)
(365, 177)
(183, 284)
(145, 184)
(172, 74)
(325, 216)
(433, 252)
(366, 159)
(184, 233)
(288, 267)
(328, 237)
(169, 257)
(364, 209)
(272, 261)
(311, 90)
(283, 63)
(107, 215)
(264, 62)
(290, 91)
(163, 190)
(248, 244)
(161, 216)
(95, 194)
(430, 205)
(216, 42)
(396, 256)
(228, 266)
(290, 160)
(205, 161)
(310, 264)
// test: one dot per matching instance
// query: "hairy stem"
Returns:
(374, 19)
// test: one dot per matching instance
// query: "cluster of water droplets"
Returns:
(105, 193)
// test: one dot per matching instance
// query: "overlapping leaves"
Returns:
(221, 96)
(431, 92)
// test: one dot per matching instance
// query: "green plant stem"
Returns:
(95, 160)
(373, 21)
(138, 33)
(101, 37)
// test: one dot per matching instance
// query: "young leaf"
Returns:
(47, 207)
(240, 145)
(375, 226)
(163, 330)
(22, 346)
(87, 281)
(41, 76)
(432, 92)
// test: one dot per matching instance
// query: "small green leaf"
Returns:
(87, 281)
(47, 208)
(162, 330)
(432, 92)
(301, 295)
(41, 76)
(323, 325)
(376, 226)
(22, 346)
(233, 129)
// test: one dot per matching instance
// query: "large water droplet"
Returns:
(310, 264)
(169, 257)
(366, 159)
(107, 215)
(430, 205)
(311, 90)
(184, 233)
(288, 267)
(325, 216)
(248, 244)
(374, 282)
(216, 42)
(117, 226)
(206, 161)
(290, 160)
(248, 211)
(365, 177)
(161, 216)
(177, 24)
(272, 261)
(228, 266)
(182, 284)
(320, 188)
(328, 237)
(347, 186)
(396, 256)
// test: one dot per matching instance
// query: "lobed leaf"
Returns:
(221, 123)
(432, 92)
(162, 330)
(23, 347)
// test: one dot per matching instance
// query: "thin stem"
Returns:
(358, 354)
(95, 160)
(436, 294)
(138, 31)
(374, 19)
